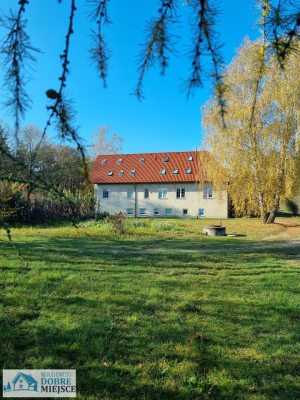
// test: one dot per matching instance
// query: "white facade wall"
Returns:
(194, 200)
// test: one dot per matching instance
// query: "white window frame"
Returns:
(142, 160)
(154, 211)
(160, 191)
(119, 161)
(180, 193)
(146, 197)
(168, 215)
(130, 214)
(208, 193)
(106, 191)
(163, 171)
(110, 173)
(145, 213)
(177, 171)
(103, 161)
(121, 172)
(188, 171)
(131, 197)
(132, 172)
(190, 158)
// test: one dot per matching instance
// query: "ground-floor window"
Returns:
(105, 194)
(168, 212)
(201, 212)
(143, 211)
(185, 211)
(129, 211)
(156, 211)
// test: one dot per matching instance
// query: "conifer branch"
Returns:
(17, 51)
(100, 53)
(159, 43)
(203, 19)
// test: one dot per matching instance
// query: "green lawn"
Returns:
(162, 312)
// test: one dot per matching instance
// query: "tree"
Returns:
(8, 386)
(102, 143)
(256, 155)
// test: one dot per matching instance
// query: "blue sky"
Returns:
(165, 120)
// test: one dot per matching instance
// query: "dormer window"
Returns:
(103, 162)
(120, 161)
(190, 158)
(163, 172)
(142, 160)
(175, 171)
(188, 171)
(110, 173)
(121, 173)
(166, 159)
(132, 172)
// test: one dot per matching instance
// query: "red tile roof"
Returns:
(147, 172)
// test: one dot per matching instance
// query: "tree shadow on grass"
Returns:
(157, 326)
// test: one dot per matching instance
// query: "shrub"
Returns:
(292, 207)
(118, 222)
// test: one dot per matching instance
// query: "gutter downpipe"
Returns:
(135, 200)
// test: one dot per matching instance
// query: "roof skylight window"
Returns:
(166, 159)
(163, 172)
(132, 172)
(142, 160)
(121, 173)
(103, 162)
(188, 171)
(120, 161)
(110, 173)
(190, 158)
(175, 171)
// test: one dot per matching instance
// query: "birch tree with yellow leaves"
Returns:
(256, 155)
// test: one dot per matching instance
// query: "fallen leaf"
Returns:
(105, 364)
(140, 365)
(132, 298)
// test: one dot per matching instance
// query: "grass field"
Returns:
(162, 312)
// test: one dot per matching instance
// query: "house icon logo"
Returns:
(21, 382)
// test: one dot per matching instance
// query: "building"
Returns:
(155, 185)
(24, 382)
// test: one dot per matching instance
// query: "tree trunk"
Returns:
(263, 212)
(273, 212)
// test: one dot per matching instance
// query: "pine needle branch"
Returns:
(203, 19)
(159, 43)
(17, 51)
(100, 53)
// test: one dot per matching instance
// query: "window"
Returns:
(132, 172)
(156, 211)
(119, 161)
(188, 171)
(163, 172)
(185, 211)
(201, 212)
(103, 162)
(105, 194)
(21, 380)
(142, 160)
(190, 158)
(175, 171)
(146, 194)
(110, 173)
(121, 173)
(162, 193)
(208, 193)
(180, 193)
(143, 211)
(166, 159)
(130, 193)
(129, 211)
(168, 212)
(20, 386)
